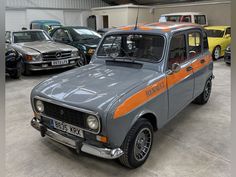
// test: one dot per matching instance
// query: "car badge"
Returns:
(58, 55)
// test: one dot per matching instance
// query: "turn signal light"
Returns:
(103, 139)
(28, 58)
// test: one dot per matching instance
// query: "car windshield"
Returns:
(30, 36)
(143, 47)
(215, 33)
(83, 33)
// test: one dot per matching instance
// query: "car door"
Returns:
(199, 54)
(62, 36)
(180, 82)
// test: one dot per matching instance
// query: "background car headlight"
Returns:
(39, 106)
(74, 54)
(92, 122)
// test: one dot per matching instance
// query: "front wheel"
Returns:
(82, 60)
(137, 144)
(216, 53)
(205, 95)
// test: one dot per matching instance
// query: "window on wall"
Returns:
(194, 44)
(177, 52)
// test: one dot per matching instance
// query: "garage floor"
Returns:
(195, 144)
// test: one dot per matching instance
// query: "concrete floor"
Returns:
(195, 144)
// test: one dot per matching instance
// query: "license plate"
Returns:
(59, 62)
(71, 129)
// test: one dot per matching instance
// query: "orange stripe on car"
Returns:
(140, 97)
(157, 88)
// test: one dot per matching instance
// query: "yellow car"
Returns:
(219, 38)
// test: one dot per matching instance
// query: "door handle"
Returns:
(189, 68)
(202, 61)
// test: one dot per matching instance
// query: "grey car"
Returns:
(40, 52)
(138, 80)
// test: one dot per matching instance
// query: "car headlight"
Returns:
(74, 53)
(92, 122)
(39, 106)
(33, 57)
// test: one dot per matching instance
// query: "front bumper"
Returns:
(227, 57)
(78, 145)
(47, 65)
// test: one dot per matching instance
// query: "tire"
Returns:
(216, 54)
(17, 74)
(140, 135)
(205, 95)
(82, 61)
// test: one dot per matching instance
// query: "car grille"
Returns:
(66, 115)
(57, 55)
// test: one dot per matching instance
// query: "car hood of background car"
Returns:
(42, 46)
(93, 86)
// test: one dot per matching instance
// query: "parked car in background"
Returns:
(40, 52)
(84, 39)
(132, 87)
(189, 17)
(227, 57)
(219, 38)
(46, 25)
(102, 31)
(13, 62)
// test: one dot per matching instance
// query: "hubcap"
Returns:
(207, 90)
(217, 53)
(81, 61)
(142, 144)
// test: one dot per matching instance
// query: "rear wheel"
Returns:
(205, 95)
(216, 53)
(137, 144)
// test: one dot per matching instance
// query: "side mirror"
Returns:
(227, 35)
(175, 67)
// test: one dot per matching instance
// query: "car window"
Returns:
(35, 26)
(215, 33)
(7, 35)
(143, 47)
(205, 42)
(186, 18)
(61, 35)
(173, 18)
(177, 52)
(30, 36)
(228, 31)
(200, 19)
(194, 44)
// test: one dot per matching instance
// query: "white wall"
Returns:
(15, 20)
(38, 14)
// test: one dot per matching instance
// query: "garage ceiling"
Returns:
(146, 2)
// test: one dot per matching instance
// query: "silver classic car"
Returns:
(40, 52)
(139, 78)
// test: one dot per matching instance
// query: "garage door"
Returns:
(15, 20)
(73, 18)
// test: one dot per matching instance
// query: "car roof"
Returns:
(45, 21)
(159, 27)
(77, 27)
(28, 30)
(217, 27)
(183, 13)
